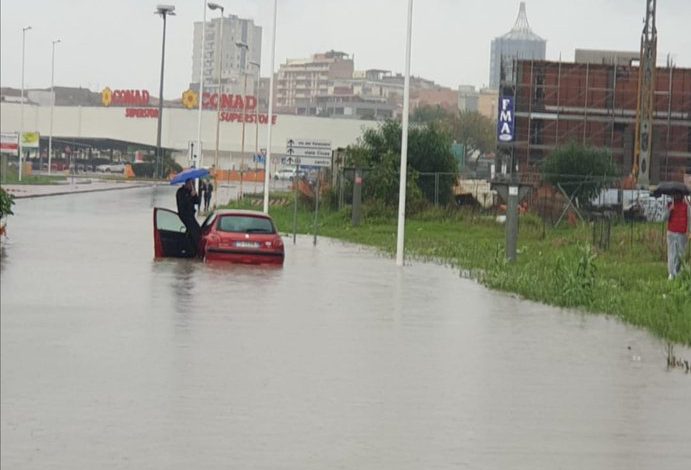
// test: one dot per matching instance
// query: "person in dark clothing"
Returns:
(208, 189)
(202, 194)
(186, 198)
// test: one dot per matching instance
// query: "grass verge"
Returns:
(12, 178)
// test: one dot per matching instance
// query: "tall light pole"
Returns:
(21, 107)
(244, 46)
(164, 11)
(255, 87)
(201, 90)
(404, 142)
(216, 6)
(267, 162)
(52, 105)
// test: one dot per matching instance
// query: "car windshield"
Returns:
(245, 224)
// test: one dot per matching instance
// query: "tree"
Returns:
(474, 131)
(429, 151)
(581, 171)
(427, 114)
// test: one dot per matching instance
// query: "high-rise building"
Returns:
(518, 44)
(241, 49)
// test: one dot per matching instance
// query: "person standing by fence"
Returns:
(678, 232)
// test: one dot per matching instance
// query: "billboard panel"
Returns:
(30, 140)
(9, 142)
(506, 122)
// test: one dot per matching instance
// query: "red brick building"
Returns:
(595, 104)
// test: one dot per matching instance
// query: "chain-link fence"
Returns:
(611, 210)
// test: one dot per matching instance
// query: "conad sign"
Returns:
(125, 97)
(138, 98)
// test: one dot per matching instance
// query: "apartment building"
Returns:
(232, 46)
(302, 80)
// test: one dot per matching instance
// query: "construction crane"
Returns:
(646, 87)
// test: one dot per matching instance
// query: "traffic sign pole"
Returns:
(295, 210)
(316, 210)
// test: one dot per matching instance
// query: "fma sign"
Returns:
(506, 122)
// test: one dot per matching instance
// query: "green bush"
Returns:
(582, 171)
(6, 203)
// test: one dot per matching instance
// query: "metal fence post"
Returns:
(357, 199)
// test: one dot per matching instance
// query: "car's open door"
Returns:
(170, 236)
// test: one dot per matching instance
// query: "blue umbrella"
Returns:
(190, 173)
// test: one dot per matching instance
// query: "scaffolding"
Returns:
(596, 105)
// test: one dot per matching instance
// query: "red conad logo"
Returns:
(124, 97)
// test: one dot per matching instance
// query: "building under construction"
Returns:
(595, 104)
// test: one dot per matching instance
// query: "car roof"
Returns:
(245, 212)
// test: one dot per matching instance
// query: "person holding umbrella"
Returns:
(678, 226)
(186, 198)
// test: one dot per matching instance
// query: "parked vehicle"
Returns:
(111, 168)
(237, 236)
(288, 174)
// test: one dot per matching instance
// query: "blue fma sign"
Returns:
(506, 122)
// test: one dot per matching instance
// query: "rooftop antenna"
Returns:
(521, 23)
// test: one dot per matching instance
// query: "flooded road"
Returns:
(338, 360)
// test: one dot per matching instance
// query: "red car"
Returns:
(238, 236)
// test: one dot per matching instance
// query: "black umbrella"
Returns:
(671, 188)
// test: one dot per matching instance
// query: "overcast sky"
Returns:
(117, 43)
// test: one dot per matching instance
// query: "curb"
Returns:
(64, 193)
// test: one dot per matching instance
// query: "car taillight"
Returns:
(213, 240)
(277, 243)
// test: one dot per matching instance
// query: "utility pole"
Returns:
(646, 89)
(52, 106)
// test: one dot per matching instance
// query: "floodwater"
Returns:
(111, 360)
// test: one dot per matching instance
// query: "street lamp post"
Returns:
(244, 46)
(52, 105)
(216, 6)
(201, 91)
(256, 122)
(256, 128)
(404, 142)
(21, 107)
(267, 161)
(164, 11)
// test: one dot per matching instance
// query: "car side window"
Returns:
(169, 221)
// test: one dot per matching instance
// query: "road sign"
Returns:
(9, 142)
(290, 160)
(309, 152)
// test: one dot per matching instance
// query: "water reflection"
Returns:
(338, 359)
